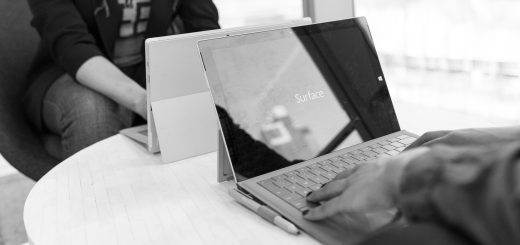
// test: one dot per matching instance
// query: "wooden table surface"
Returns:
(115, 192)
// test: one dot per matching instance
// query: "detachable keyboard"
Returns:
(294, 186)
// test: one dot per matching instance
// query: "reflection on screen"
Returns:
(290, 95)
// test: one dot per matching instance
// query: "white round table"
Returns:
(115, 192)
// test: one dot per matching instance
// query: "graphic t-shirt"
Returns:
(127, 50)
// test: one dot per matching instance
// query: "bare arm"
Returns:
(469, 137)
(99, 74)
(73, 48)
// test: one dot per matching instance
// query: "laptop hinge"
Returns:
(244, 192)
(224, 171)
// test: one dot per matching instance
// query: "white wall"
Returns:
(328, 10)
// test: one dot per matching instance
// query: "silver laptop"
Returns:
(296, 107)
(180, 111)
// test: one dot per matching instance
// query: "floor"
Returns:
(14, 189)
(5, 168)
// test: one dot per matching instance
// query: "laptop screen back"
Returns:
(288, 95)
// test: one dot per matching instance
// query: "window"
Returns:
(449, 64)
(253, 12)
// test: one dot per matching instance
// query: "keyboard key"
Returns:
(389, 147)
(350, 160)
(403, 136)
(397, 144)
(300, 171)
(379, 150)
(305, 183)
(301, 203)
(315, 179)
(338, 164)
(351, 166)
(393, 139)
(360, 157)
(356, 152)
(371, 154)
(282, 183)
(315, 187)
(277, 191)
(278, 178)
(336, 159)
(306, 174)
(320, 171)
(294, 188)
(294, 179)
(303, 192)
(329, 175)
(314, 172)
(324, 163)
(400, 149)
(291, 197)
(327, 168)
(366, 149)
(337, 170)
(321, 180)
(343, 165)
(392, 153)
(407, 141)
(292, 173)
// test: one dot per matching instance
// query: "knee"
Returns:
(93, 118)
(75, 102)
(90, 103)
(82, 116)
(92, 108)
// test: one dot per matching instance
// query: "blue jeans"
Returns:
(80, 116)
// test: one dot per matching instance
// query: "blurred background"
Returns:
(449, 64)
(458, 61)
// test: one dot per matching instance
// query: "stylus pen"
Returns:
(265, 212)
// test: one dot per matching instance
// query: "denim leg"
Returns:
(81, 116)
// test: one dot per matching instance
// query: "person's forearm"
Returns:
(473, 189)
(469, 137)
(394, 167)
(101, 75)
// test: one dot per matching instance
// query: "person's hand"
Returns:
(369, 187)
(467, 137)
(101, 75)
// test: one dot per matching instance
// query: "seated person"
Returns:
(87, 79)
(466, 181)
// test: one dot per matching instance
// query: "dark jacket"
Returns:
(473, 190)
(73, 31)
